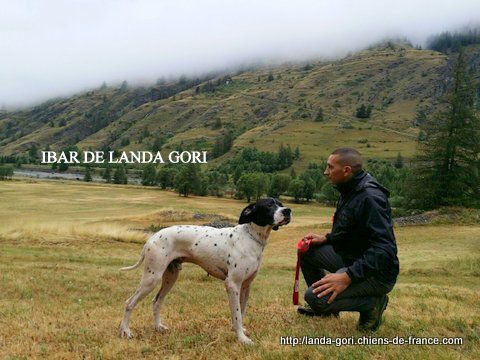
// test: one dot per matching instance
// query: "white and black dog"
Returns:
(231, 254)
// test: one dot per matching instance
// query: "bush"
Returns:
(346, 125)
(125, 141)
(319, 116)
(252, 185)
(165, 177)
(6, 172)
(149, 175)
(88, 174)
(397, 201)
(296, 189)
(363, 112)
(279, 185)
(190, 180)
(120, 177)
(328, 194)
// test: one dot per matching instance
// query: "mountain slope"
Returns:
(263, 108)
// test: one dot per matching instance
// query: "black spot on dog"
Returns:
(214, 244)
(228, 262)
(196, 244)
(228, 255)
(235, 265)
(231, 235)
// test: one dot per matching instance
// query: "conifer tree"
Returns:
(448, 171)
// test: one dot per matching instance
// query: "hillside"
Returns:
(263, 108)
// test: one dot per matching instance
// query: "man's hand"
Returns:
(315, 239)
(331, 283)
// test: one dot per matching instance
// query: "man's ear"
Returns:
(247, 214)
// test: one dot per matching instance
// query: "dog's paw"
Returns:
(161, 328)
(126, 333)
(245, 340)
(243, 328)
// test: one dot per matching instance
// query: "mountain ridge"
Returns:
(262, 108)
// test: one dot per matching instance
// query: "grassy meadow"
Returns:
(62, 294)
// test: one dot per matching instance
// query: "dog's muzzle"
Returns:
(287, 216)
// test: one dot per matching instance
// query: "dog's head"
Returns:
(265, 212)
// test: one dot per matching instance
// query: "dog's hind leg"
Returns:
(169, 278)
(150, 279)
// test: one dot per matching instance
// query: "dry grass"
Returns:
(61, 245)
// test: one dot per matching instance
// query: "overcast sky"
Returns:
(52, 48)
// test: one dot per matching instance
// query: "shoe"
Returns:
(371, 320)
(308, 311)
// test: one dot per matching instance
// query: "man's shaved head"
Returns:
(349, 157)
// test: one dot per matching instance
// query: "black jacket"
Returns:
(362, 231)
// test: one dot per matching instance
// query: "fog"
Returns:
(55, 48)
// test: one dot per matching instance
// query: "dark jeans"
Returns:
(360, 296)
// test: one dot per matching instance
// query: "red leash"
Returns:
(302, 247)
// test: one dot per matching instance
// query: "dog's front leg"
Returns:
(244, 297)
(233, 290)
(243, 303)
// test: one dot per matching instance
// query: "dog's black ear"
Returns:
(247, 214)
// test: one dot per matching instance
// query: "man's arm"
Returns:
(331, 283)
(378, 258)
(315, 238)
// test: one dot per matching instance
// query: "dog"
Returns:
(231, 254)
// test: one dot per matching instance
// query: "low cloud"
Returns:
(54, 48)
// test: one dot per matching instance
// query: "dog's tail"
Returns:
(142, 256)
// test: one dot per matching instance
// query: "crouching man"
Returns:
(360, 251)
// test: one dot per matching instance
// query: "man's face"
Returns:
(336, 172)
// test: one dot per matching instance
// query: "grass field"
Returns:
(62, 294)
